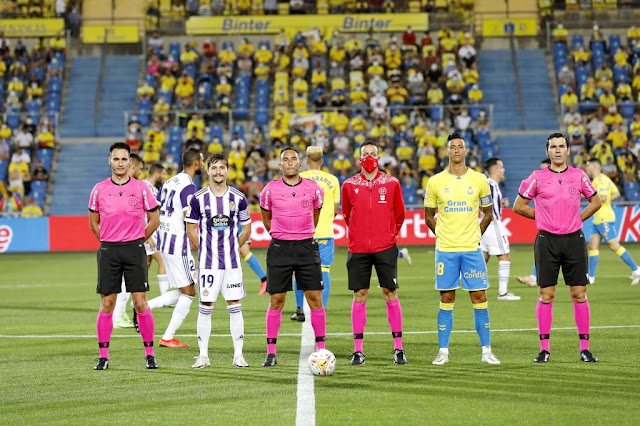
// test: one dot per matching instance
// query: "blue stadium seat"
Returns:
(614, 43)
(409, 194)
(46, 156)
(237, 128)
(175, 134)
(436, 113)
(13, 120)
(144, 117)
(262, 117)
(55, 85)
(620, 73)
(576, 40)
(4, 169)
(588, 107)
(226, 44)
(38, 186)
(627, 109)
(474, 111)
(216, 131)
(144, 105)
(174, 50)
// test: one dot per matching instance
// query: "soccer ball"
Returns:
(322, 362)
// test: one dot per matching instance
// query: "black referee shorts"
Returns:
(359, 269)
(284, 258)
(568, 251)
(118, 259)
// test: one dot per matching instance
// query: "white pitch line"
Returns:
(137, 336)
(306, 405)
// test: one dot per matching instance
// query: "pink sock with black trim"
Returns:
(104, 328)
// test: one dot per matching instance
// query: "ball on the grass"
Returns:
(322, 362)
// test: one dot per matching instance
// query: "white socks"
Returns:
(121, 303)
(236, 326)
(179, 314)
(203, 328)
(163, 283)
(167, 299)
(504, 268)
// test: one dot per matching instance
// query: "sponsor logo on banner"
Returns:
(31, 27)
(396, 22)
(98, 34)
(6, 234)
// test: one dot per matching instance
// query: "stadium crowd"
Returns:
(187, 8)
(405, 91)
(30, 90)
(599, 85)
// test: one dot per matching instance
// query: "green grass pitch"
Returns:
(50, 379)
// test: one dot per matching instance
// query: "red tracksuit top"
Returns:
(373, 211)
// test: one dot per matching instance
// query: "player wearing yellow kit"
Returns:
(324, 230)
(456, 194)
(604, 223)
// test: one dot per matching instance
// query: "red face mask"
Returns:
(369, 164)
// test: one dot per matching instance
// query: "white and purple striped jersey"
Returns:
(496, 194)
(175, 196)
(219, 219)
(153, 189)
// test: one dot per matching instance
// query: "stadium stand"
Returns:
(598, 83)
(31, 80)
(324, 89)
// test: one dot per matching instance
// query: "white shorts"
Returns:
(181, 270)
(147, 247)
(229, 282)
(494, 240)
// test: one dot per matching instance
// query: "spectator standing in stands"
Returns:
(11, 204)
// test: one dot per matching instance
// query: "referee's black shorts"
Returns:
(567, 251)
(386, 263)
(284, 258)
(118, 259)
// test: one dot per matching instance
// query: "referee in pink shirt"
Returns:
(290, 210)
(117, 209)
(560, 243)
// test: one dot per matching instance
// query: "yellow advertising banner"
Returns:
(95, 34)
(506, 27)
(31, 27)
(200, 25)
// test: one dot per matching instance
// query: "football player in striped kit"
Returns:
(217, 212)
(174, 245)
(494, 241)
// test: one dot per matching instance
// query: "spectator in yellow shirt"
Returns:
(435, 96)
(145, 91)
(195, 127)
(184, 92)
(568, 100)
(617, 137)
(612, 116)
(15, 85)
(560, 34)
(358, 123)
(189, 56)
(607, 99)
(58, 44)
(623, 91)
(227, 56)
(245, 49)
(263, 55)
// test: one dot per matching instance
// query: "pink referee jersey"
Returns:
(122, 209)
(292, 208)
(557, 196)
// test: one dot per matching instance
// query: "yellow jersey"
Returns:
(331, 187)
(605, 187)
(457, 199)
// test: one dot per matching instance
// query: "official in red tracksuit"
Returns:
(373, 209)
